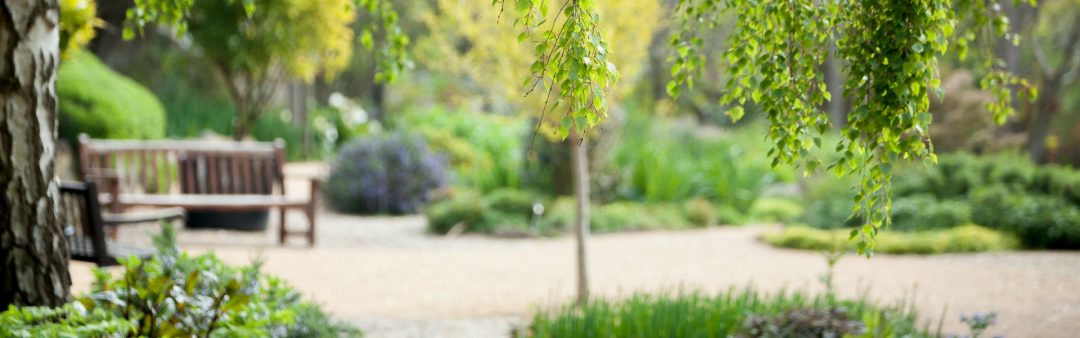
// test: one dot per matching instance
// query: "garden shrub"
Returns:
(384, 174)
(831, 322)
(728, 215)
(926, 212)
(699, 212)
(504, 212)
(616, 217)
(486, 151)
(663, 216)
(559, 216)
(1039, 221)
(100, 102)
(460, 207)
(174, 294)
(728, 314)
(966, 238)
(666, 162)
(509, 213)
(829, 203)
(772, 209)
(513, 201)
(1007, 192)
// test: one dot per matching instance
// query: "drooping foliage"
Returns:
(888, 49)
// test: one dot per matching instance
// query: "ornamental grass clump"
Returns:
(735, 313)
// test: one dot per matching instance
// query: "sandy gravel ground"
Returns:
(386, 275)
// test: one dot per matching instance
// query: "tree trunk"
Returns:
(240, 131)
(834, 79)
(580, 167)
(1047, 107)
(298, 97)
(33, 250)
(378, 99)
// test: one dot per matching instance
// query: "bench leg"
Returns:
(284, 232)
(310, 211)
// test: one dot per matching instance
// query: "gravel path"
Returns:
(393, 280)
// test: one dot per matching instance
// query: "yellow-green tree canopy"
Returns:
(256, 48)
(472, 40)
(77, 21)
(257, 44)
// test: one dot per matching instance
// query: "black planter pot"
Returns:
(229, 220)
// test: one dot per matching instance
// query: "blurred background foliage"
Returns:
(657, 162)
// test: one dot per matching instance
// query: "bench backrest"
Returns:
(187, 166)
(80, 215)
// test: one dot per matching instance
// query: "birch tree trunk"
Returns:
(33, 250)
(579, 161)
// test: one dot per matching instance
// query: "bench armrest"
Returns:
(111, 186)
(316, 183)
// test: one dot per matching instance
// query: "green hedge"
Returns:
(966, 238)
(926, 212)
(100, 102)
(1040, 221)
(1038, 204)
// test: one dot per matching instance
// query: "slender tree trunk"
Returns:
(378, 99)
(580, 167)
(298, 97)
(834, 79)
(240, 130)
(1047, 107)
(33, 249)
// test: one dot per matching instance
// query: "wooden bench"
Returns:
(84, 225)
(196, 176)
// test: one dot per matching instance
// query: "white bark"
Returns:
(33, 249)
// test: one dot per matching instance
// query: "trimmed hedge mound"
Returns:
(965, 238)
(100, 102)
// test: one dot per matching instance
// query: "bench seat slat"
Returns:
(209, 202)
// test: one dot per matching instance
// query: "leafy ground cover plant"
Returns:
(174, 294)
